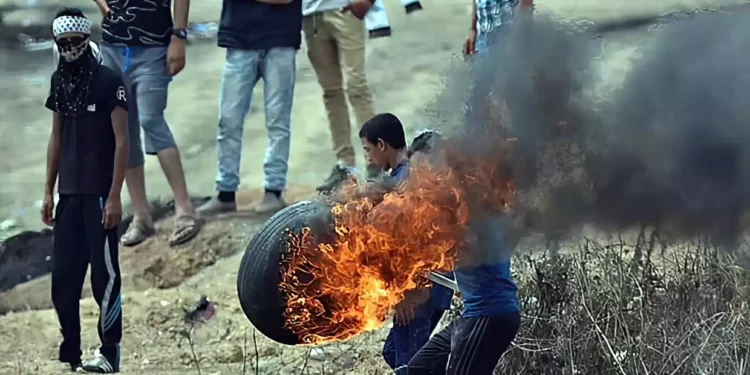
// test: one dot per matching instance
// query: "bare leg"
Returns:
(172, 166)
(135, 180)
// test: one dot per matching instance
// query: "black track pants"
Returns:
(79, 240)
(468, 346)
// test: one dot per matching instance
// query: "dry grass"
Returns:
(643, 308)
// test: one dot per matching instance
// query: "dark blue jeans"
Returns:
(403, 342)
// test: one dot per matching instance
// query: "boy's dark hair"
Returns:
(75, 12)
(387, 127)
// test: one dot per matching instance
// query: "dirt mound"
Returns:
(25, 258)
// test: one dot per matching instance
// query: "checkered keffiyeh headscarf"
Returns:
(71, 24)
(76, 67)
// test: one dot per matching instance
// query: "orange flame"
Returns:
(383, 248)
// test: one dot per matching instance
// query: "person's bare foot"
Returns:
(185, 229)
(187, 224)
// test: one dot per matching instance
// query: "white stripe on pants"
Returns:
(475, 338)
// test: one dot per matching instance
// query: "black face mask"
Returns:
(74, 75)
(72, 49)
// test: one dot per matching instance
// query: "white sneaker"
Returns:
(100, 365)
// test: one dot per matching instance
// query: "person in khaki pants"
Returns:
(335, 38)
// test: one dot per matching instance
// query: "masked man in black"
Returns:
(88, 154)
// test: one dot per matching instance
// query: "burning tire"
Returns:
(258, 276)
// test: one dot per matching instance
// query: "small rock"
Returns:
(348, 361)
(232, 354)
(267, 351)
(186, 359)
(317, 354)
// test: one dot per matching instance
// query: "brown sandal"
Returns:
(186, 228)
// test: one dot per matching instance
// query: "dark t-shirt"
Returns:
(145, 23)
(87, 141)
(250, 24)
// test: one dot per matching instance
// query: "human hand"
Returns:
(404, 310)
(112, 214)
(404, 313)
(470, 45)
(48, 210)
(358, 8)
(175, 56)
(103, 8)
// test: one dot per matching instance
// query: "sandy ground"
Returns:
(403, 70)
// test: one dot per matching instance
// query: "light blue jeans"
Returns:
(242, 70)
(144, 72)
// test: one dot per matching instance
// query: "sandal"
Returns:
(186, 228)
(136, 233)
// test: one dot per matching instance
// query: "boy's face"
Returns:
(375, 153)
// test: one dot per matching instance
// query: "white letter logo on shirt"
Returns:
(121, 94)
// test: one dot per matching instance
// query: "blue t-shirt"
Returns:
(485, 282)
(487, 289)
(401, 171)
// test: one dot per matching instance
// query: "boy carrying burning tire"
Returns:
(384, 144)
(473, 343)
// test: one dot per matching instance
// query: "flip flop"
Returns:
(136, 233)
(186, 228)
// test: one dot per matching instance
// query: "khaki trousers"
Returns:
(336, 48)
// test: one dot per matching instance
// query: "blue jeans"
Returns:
(242, 70)
(481, 43)
(403, 342)
(144, 71)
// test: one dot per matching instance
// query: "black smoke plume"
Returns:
(669, 148)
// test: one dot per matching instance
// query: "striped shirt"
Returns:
(493, 13)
